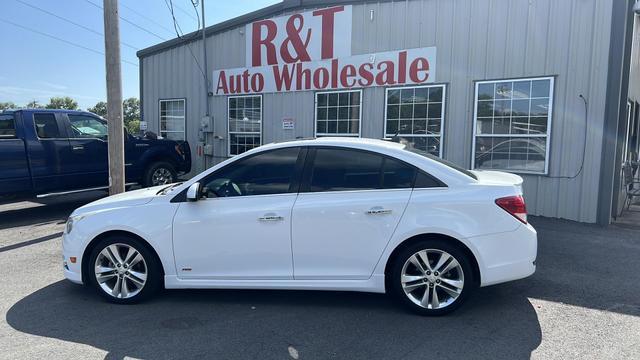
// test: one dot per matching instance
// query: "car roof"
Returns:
(49, 110)
(386, 147)
(373, 144)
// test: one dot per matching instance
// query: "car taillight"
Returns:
(515, 206)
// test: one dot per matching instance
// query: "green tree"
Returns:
(34, 105)
(131, 110)
(65, 102)
(133, 126)
(7, 105)
(99, 109)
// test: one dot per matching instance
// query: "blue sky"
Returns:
(34, 66)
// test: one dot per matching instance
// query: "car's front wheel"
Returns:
(123, 270)
(431, 277)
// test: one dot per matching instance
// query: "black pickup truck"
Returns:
(50, 152)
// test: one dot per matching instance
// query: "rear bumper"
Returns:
(507, 256)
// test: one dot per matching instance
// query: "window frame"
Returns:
(315, 114)
(525, 136)
(11, 118)
(68, 127)
(184, 102)
(305, 180)
(442, 115)
(229, 132)
(62, 131)
(296, 178)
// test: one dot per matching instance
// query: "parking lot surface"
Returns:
(583, 302)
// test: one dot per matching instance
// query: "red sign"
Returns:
(312, 51)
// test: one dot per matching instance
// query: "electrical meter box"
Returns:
(208, 150)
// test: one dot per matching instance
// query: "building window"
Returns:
(172, 119)
(416, 114)
(245, 123)
(338, 113)
(512, 122)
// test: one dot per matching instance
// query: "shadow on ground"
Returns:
(581, 265)
(44, 210)
(498, 323)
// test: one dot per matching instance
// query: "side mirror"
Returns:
(193, 193)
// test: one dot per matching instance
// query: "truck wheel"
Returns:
(159, 173)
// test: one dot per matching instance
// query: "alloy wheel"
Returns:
(161, 176)
(121, 271)
(432, 279)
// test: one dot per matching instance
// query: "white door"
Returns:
(242, 230)
(346, 213)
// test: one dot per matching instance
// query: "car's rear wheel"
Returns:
(123, 270)
(431, 277)
(160, 173)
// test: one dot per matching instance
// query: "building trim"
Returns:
(620, 44)
(264, 13)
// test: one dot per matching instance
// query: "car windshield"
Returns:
(426, 154)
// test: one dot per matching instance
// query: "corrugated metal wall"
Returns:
(475, 40)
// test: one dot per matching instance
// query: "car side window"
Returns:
(267, 173)
(343, 169)
(83, 126)
(46, 126)
(397, 175)
(7, 127)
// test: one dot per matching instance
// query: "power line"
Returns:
(187, 13)
(70, 22)
(146, 17)
(176, 26)
(130, 22)
(61, 40)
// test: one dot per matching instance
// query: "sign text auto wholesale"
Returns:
(312, 51)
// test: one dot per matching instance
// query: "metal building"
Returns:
(540, 88)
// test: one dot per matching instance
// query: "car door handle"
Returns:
(378, 210)
(77, 148)
(271, 217)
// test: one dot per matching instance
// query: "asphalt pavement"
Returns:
(583, 303)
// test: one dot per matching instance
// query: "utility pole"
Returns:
(114, 97)
(207, 116)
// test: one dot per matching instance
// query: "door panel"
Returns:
(234, 238)
(14, 169)
(49, 154)
(341, 235)
(89, 150)
(242, 229)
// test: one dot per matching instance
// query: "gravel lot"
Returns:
(584, 302)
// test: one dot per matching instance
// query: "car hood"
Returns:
(126, 199)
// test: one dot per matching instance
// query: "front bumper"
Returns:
(72, 271)
(507, 256)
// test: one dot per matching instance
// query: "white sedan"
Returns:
(323, 214)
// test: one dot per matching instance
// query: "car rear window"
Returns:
(7, 127)
(441, 161)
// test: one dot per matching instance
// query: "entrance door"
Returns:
(242, 229)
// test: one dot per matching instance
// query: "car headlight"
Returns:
(70, 222)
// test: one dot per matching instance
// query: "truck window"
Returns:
(83, 126)
(46, 126)
(7, 127)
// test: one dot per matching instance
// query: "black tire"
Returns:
(148, 177)
(394, 281)
(151, 265)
